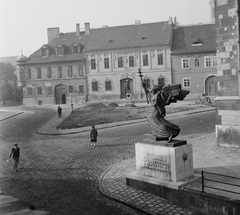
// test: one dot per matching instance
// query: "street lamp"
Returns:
(140, 75)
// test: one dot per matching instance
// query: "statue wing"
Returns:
(176, 92)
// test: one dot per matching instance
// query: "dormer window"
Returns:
(75, 48)
(45, 51)
(59, 50)
(197, 43)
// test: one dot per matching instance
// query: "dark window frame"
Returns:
(131, 61)
(145, 60)
(93, 64)
(106, 63)
(120, 62)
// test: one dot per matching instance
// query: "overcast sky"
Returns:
(24, 23)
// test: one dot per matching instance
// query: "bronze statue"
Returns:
(159, 97)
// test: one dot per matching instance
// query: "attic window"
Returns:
(75, 49)
(197, 43)
(59, 50)
(144, 38)
(44, 51)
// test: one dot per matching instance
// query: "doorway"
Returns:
(211, 86)
(60, 94)
(126, 86)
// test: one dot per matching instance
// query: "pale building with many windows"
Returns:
(114, 55)
(55, 73)
(97, 64)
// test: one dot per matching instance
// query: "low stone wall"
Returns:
(201, 202)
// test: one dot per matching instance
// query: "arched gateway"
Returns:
(60, 94)
(211, 85)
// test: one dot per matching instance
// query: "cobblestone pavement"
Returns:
(113, 184)
(61, 174)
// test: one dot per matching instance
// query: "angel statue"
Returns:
(159, 97)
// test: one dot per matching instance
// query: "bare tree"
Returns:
(6, 75)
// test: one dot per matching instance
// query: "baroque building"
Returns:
(55, 73)
(193, 57)
(97, 64)
(114, 54)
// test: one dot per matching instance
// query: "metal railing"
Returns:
(204, 173)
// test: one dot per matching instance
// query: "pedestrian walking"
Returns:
(59, 112)
(93, 136)
(16, 154)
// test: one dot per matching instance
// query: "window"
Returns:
(70, 71)
(75, 49)
(120, 62)
(44, 52)
(29, 73)
(207, 61)
(49, 72)
(81, 90)
(94, 85)
(39, 73)
(93, 63)
(49, 90)
(70, 89)
(59, 50)
(161, 81)
(108, 85)
(186, 82)
(210, 61)
(39, 90)
(185, 63)
(131, 61)
(80, 70)
(29, 91)
(160, 58)
(106, 63)
(147, 82)
(196, 62)
(145, 60)
(59, 72)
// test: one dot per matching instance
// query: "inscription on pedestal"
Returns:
(156, 162)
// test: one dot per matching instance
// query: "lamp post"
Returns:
(140, 75)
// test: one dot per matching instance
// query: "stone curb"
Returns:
(11, 116)
(102, 191)
(116, 124)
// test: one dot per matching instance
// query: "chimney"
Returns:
(175, 20)
(170, 20)
(77, 29)
(87, 28)
(52, 33)
(138, 22)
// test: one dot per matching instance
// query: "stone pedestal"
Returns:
(163, 163)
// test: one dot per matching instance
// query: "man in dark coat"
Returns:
(16, 154)
(93, 136)
(59, 111)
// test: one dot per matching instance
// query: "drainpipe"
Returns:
(238, 40)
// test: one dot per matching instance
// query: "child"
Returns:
(16, 154)
(93, 136)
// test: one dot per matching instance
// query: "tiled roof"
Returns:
(67, 40)
(185, 36)
(129, 36)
